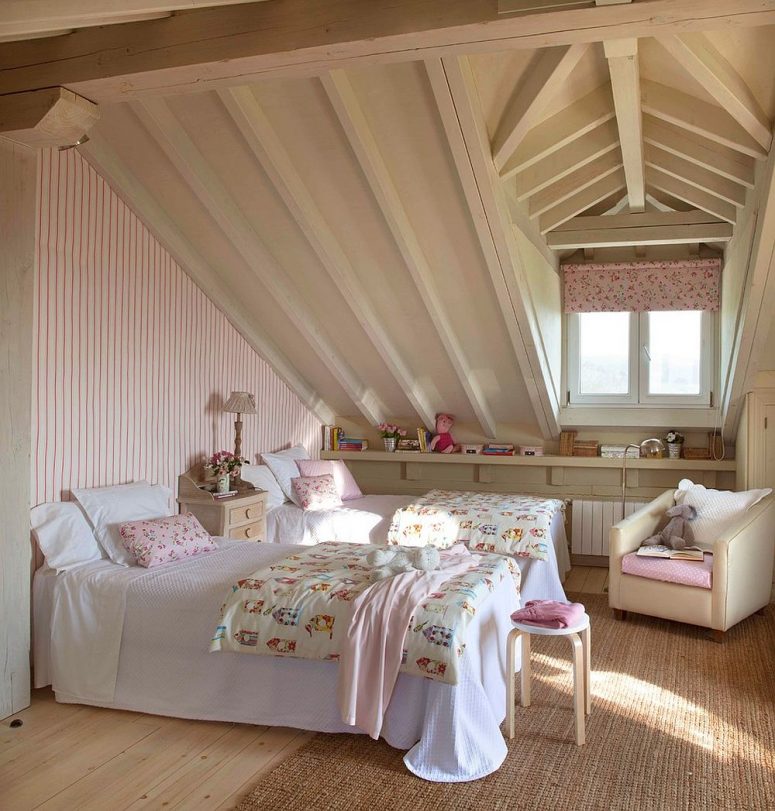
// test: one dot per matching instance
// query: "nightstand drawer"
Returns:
(249, 532)
(246, 512)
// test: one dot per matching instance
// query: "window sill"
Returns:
(637, 416)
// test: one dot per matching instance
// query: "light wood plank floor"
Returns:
(66, 757)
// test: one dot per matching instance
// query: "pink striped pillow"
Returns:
(346, 485)
(163, 540)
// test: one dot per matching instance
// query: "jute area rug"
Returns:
(678, 722)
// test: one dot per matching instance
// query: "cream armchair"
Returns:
(742, 570)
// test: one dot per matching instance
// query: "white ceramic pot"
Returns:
(224, 484)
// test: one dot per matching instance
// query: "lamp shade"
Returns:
(240, 402)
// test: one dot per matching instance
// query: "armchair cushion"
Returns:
(684, 572)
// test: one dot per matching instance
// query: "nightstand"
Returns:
(241, 517)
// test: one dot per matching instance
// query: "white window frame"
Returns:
(638, 395)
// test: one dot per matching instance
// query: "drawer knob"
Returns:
(250, 512)
(248, 531)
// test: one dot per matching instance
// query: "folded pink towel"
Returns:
(549, 613)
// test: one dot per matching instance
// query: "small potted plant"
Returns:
(222, 466)
(674, 443)
(390, 434)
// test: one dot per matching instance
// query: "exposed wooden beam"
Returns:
(691, 194)
(666, 202)
(574, 183)
(582, 201)
(695, 175)
(650, 228)
(622, 56)
(562, 129)
(263, 141)
(21, 19)
(540, 83)
(454, 89)
(613, 204)
(599, 142)
(46, 118)
(361, 138)
(227, 213)
(707, 154)
(200, 49)
(690, 113)
(231, 304)
(706, 65)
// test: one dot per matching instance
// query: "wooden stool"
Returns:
(580, 639)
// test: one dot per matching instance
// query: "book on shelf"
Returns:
(408, 446)
(331, 436)
(497, 452)
(424, 438)
(351, 443)
(660, 551)
(500, 446)
(227, 494)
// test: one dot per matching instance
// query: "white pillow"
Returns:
(64, 535)
(717, 510)
(283, 465)
(110, 507)
(262, 478)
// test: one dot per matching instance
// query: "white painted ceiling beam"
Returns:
(649, 228)
(361, 138)
(695, 115)
(158, 221)
(253, 123)
(622, 56)
(240, 44)
(695, 175)
(456, 98)
(574, 183)
(703, 62)
(691, 194)
(666, 202)
(580, 202)
(707, 154)
(562, 129)
(568, 159)
(227, 213)
(551, 68)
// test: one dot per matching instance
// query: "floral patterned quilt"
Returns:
(301, 606)
(505, 523)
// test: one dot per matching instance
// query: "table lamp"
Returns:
(239, 403)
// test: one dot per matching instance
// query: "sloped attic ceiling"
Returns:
(389, 234)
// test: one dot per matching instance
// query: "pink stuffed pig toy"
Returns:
(443, 442)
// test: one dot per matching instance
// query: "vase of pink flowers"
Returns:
(222, 466)
(390, 434)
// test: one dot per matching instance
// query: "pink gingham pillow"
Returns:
(162, 540)
(316, 492)
(346, 485)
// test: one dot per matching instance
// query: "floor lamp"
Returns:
(650, 448)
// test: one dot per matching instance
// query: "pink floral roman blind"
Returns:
(687, 284)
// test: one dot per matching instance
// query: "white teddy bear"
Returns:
(388, 561)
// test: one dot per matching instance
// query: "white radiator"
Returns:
(592, 521)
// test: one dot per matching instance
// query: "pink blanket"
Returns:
(371, 651)
(549, 613)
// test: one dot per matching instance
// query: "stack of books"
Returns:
(331, 435)
(617, 452)
(498, 449)
(351, 443)
(424, 438)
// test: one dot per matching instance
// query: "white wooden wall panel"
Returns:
(133, 360)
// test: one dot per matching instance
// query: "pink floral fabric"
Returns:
(163, 540)
(685, 572)
(616, 287)
(316, 492)
(346, 485)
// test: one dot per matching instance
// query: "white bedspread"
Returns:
(164, 667)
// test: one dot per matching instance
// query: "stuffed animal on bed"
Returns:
(395, 560)
(678, 533)
(443, 442)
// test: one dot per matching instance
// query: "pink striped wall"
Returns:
(134, 361)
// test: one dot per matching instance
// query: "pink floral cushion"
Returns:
(685, 572)
(163, 540)
(346, 485)
(316, 492)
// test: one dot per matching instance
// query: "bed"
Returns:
(138, 639)
(368, 519)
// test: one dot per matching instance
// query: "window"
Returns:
(652, 358)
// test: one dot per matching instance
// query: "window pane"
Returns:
(604, 353)
(675, 342)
